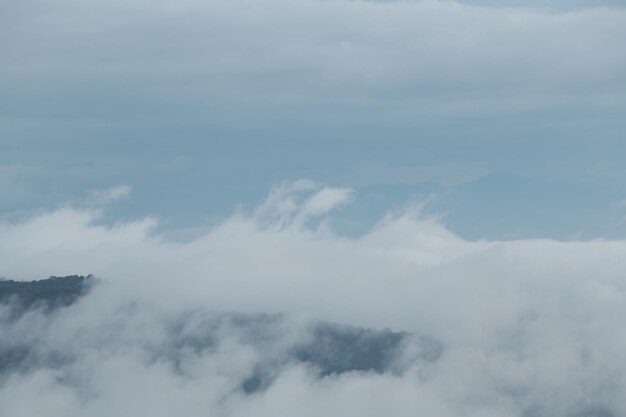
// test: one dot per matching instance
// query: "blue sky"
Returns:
(507, 122)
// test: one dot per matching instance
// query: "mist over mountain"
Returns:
(324, 348)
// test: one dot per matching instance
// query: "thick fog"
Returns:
(272, 313)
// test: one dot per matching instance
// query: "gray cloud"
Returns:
(215, 62)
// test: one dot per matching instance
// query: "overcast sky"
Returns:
(507, 121)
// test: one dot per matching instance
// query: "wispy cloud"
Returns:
(109, 195)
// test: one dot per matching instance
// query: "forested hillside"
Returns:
(50, 293)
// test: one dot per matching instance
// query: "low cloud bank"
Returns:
(240, 320)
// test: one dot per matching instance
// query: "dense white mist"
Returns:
(528, 328)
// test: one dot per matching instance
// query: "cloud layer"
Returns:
(307, 61)
(522, 328)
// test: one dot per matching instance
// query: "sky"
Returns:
(236, 172)
(504, 118)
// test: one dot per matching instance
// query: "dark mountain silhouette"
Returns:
(49, 294)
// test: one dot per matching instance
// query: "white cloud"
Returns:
(326, 200)
(295, 203)
(524, 325)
